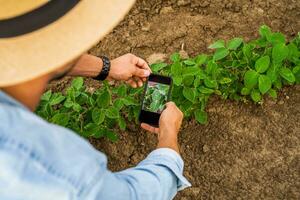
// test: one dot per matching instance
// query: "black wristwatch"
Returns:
(105, 69)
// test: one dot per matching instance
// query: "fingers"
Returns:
(149, 128)
(142, 73)
(135, 82)
(170, 103)
(142, 69)
(171, 106)
(141, 63)
(132, 83)
(139, 82)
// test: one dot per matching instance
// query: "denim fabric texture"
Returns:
(39, 160)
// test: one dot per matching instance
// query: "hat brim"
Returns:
(26, 57)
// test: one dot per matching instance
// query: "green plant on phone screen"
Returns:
(156, 96)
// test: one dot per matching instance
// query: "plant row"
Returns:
(237, 70)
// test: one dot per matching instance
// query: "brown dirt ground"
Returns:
(245, 151)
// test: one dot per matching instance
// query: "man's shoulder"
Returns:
(18, 122)
(49, 144)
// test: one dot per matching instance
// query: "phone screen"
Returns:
(156, 95)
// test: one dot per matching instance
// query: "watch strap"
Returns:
(105, 69)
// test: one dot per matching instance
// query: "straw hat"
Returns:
(38, 36)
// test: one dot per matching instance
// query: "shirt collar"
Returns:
(6, 99)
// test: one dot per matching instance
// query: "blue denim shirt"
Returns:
(39, 160)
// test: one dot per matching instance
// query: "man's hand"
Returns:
(129, 68)
(169, 125)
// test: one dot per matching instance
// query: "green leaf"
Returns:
(250, 79)
(112, 113)
(197, 81)
(272, 93)
(122, 123)
(189, 93)
(56, 98)
(264, 83)
(245, 91)
(71, 93)
(217, 45)
(255, 96)
(225, 80)
(265, 31)
(158, 66)
(104, 99)
(129, 101)
(276, 38)
(247, 50)
(118, 104)
(136, 91)
(293, 52)
(77, 83)
(262, 64)
(177, 80)
(188, 80)
(189, 62)
(76, 107)
(46, 96)
(296, 71)
(210, 83)
(175, 57)
(287, 74)
(91, 101)
(201, 59)
(279, 53)
(278, 83)
(176, 68)
(68, 103)
(92, 129)
(99, 132)
(272, 73)
(205, 90)
(98, 116)
(191, 71)
(186, 106)
(112, 136)
(234, 43)
(122, 91)
(220, 54)
(60, 119)
(211, 67)
(200, 116)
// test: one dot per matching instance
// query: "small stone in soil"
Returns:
(205, 148)
(183, 2)
(166, 10)
(183, 54)
(146, 27)
(156, 57)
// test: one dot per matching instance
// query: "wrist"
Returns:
(87, 66)
(106, 65)
(168, 137)
(171, 144)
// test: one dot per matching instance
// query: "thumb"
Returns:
(141, 72)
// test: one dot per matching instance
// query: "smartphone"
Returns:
(156, 94)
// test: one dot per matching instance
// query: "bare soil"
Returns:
(246, 151)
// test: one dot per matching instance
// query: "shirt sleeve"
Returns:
(159, 176)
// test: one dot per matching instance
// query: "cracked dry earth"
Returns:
(246, 151)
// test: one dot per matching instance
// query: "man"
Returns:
(45, 40)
